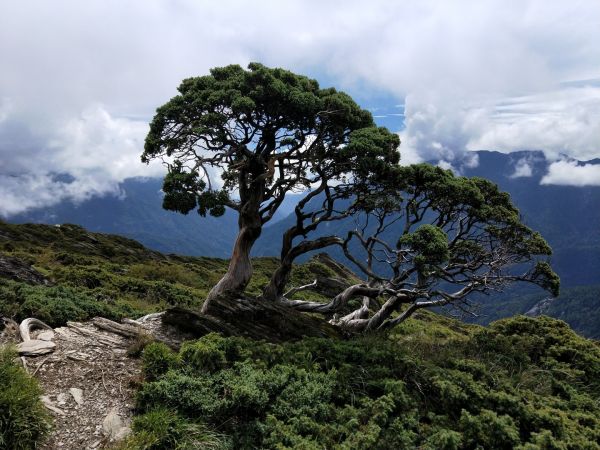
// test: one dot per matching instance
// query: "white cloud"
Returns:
(569, 173)
(472, 75)
(5, 107)
(97, 152)
(523, 169)
(563, 121)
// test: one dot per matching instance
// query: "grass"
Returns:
(24, 421)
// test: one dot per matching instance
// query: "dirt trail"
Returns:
(89, 381)
(101, 370)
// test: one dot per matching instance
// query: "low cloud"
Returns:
(569, 173)
(454, 73)
(523, 169)
(89, 156)
(564, 121)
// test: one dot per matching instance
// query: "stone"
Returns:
(112, 424)
(62, 398)
(77, 395)
(122, 434)
(35, 347)
(46, 335)
(50, 405)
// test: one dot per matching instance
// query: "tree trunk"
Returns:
(278, 280)
(252, 318)
(274, 290)
(239, 271)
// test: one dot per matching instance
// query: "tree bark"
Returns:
(239, 271)
(250, 225)
(276, 287)
(252, 318)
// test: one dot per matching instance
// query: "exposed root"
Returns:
(29, 324)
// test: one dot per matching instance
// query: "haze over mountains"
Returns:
(567, 216)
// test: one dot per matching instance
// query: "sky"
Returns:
(79, 81)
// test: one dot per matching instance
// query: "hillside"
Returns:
(86, 274)
(578, 306)
(433, 383)
(566, 216)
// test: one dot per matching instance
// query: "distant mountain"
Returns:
(579, 306)
(138, 214)
(568, 217)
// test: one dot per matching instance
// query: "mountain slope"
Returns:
(432, 382)
(138, 214)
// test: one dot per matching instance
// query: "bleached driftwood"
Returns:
(33, 347)
(122, 329)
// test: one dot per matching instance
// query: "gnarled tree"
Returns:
(244, 139)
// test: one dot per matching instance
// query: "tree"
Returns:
(244, 139)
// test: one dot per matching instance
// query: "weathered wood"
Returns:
(29, 324)
(253, 318)
(106, 340)
(35, 347)
(121, 329)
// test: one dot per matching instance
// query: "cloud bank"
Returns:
(569, 173)
(80, 80)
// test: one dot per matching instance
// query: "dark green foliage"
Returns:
(430, 244)
(158, 360)
(431, 384)
(240, 120)
(24, 421)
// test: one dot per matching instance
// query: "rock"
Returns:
(62, 398)
(46, 335)
(19, 270)
(122, 434)
(540, 307)
(50, 405)
(77, 395)
(35, 347)
(112, 424)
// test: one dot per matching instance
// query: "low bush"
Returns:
(391, 391)
(24, 421)
(158, 360)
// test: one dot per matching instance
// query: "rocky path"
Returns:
(88, 379)
(89, 385)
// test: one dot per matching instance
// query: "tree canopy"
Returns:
(244, 138)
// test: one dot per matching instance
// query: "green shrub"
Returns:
(158, 359)
(488, 430)
(428, 385)
(24, 421)
(207, 354)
